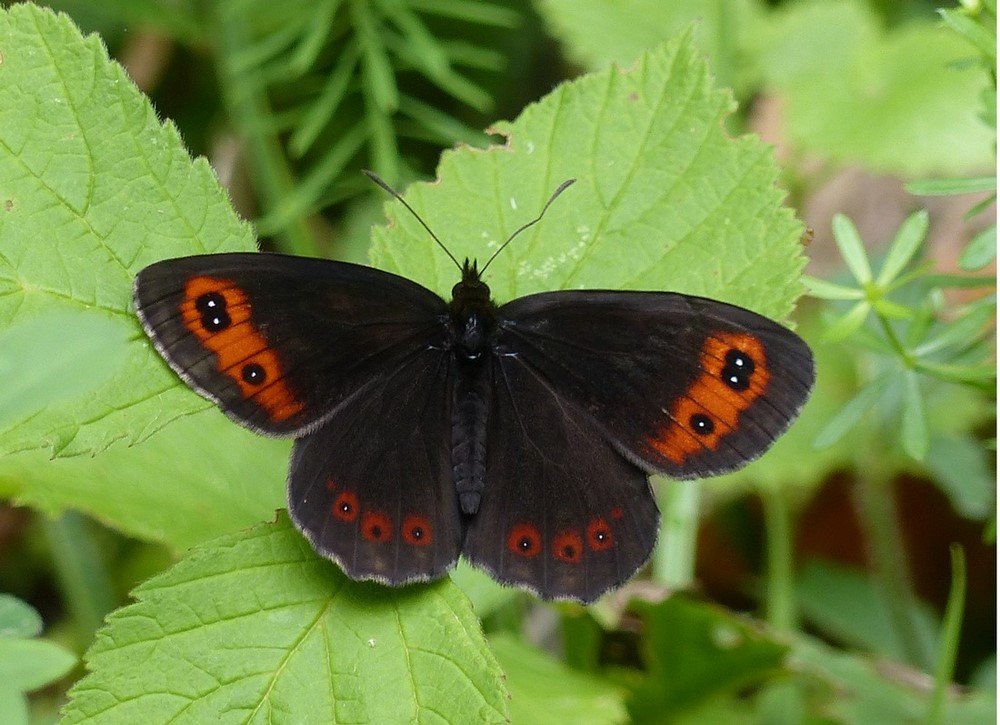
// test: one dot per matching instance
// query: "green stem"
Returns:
(673, 562)
(780, 595)
(950, 632)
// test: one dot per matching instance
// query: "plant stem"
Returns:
(780, 596)
(673, 561)
(950, 631)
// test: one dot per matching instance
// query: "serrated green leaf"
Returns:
(255, 627)
(199, 477)
(544, 691)
(94, 187)
(663, 199)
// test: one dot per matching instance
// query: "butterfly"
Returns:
(518, 435)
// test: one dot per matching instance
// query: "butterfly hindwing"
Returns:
(682, 385)
(372, 488)
(278, 342)
(562, 513)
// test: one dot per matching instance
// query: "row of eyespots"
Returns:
(376, 526)
(218, 313)
(524, 539)
(733, 375)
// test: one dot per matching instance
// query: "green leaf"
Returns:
(595, 33)
(850, 414)
(663, 199)
(850, 607)
(951, 187)
(905, 244)
(852, 249)
(848, 688)
(255, 627)
(980, 251)
(199, 477)
(960, 466)
(56, 357)
(95, 187)
(914, 433)
(889, 100)
(848, 324)
(978, 35)
(821, 289)
(544, 691)
(27, 664)
(17, 618)
(696, 653)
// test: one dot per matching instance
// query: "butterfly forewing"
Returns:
(279, 342)
(683, 385)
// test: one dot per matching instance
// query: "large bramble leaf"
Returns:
(254, 627)
(92, 188)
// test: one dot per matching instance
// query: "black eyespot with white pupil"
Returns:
(702, 424)
(738, 369)
(254, 374)
(212, 307)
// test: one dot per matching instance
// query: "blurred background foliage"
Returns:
(865, 544)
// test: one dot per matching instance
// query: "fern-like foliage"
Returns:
(319, 89)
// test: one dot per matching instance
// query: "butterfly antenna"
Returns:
(378, 180)
(562, 187)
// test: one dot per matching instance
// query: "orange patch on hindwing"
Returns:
(217, 312)
(733, 374)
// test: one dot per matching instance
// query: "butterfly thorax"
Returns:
(473, 314)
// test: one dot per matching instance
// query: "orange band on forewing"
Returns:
(238, 345)
(712, 397)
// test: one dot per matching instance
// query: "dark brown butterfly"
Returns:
(519, 435)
